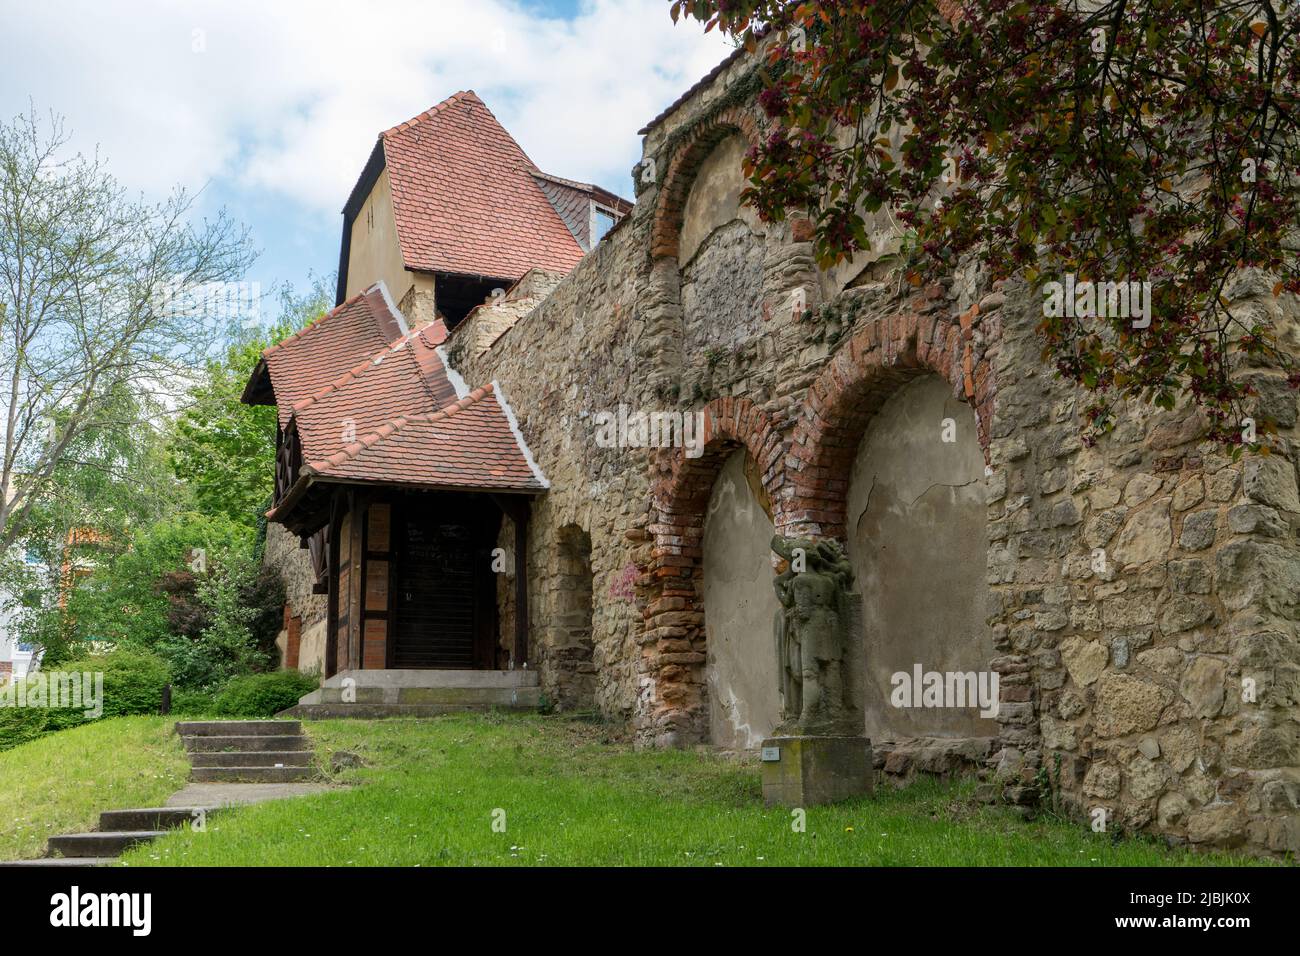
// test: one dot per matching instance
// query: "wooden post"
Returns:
(332, 606)
(520, 519)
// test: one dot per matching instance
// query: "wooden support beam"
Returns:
(521, 586)
(332, 608)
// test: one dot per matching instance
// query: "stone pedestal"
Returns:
(808, 771)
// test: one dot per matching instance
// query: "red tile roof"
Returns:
(389, 416)
(465, 199)
(330, 347)
(471, 444)
(405, 377)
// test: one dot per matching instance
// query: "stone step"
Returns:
(148, 818)
(100, 843)
(246, 744)
(237, 728)
(525, 697)
(433, 678)
(374, 711)
(60, 861)
(261, 774)
(253, 758)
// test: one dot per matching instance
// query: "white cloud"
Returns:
(288, 97)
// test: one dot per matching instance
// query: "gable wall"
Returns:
(375, 254)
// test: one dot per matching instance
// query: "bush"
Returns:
(193, 703)
(263, 695)
(224, 622)
(133, 684)
(133, 680)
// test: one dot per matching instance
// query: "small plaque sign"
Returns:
(771, 754)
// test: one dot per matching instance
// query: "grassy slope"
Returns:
(428, 798)
(60, 783)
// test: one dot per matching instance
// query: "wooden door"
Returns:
(435, 583)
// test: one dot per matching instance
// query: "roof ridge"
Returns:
(457, 97)
(562, 180)
(394, 425)
(313, 324)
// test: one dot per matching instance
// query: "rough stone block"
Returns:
(816, 770)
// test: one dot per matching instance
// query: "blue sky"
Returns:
(271, 108)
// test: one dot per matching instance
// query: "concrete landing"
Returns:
(239, 794)
(419, 693)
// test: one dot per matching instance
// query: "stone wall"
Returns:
(294, 565)
(1139, 600)
(1140, 597)
(558, 366)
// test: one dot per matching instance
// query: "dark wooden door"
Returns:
(435, 589)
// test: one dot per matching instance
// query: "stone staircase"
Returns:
(419, 693)
(119, 830)
(246, 751)
(221, 751)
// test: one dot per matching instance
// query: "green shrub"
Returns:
(21, 724)
(193, 703)
(263, 695)
(125, 600)
(133, 684)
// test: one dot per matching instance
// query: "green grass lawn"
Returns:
(568, 796)
(60, 783)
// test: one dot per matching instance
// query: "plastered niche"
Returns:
(739, 609)
(918, 541)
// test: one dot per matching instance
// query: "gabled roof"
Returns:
(324, 351)
(473, 444)
(465, 199)
(396, 415)
(406, 376)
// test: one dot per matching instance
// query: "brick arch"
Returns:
(672, 710)
(851, 388)
(670, 205)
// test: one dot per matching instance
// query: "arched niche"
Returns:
(739, 607)
(917, 536)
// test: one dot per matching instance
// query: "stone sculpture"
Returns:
(812, 635)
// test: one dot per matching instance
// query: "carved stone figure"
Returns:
(812, 634)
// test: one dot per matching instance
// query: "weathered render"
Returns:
(1138, 600)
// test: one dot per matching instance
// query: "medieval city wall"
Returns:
(1137, 599)
(1140, 597)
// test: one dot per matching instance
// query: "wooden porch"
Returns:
(413, 576)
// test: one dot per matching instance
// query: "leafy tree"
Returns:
(122, 599)
(1116, 140)
(88, 309)
(237, 597)
(222, 449)
(112, 479)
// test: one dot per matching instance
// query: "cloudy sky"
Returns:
(272, 106)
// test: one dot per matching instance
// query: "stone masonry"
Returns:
(1143, 594)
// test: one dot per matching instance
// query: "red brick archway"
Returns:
(673, 654)
(685, 162)
(861, 376)
(806, 478)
